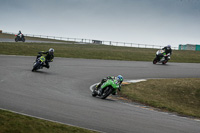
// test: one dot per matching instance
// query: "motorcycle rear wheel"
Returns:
(164, 62)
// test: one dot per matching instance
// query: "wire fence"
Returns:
(92, 41)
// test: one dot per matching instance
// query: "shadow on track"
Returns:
(43, 72)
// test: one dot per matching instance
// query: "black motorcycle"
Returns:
(19, 38)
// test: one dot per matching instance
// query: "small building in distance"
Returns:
(97, 41)
(194, 47)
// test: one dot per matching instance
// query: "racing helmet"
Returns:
(51, 51)
(120, 78)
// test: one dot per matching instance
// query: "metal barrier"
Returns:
(81, 40)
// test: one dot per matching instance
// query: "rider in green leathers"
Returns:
(117, 80)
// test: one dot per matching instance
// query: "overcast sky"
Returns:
(157, 22)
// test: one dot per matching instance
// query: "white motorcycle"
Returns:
(161, 57)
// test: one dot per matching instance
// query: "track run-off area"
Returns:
(62, 93)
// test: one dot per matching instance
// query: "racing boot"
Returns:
(114, 93)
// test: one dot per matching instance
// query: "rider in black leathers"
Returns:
(20, 35)
(49, 56)
(167, 50)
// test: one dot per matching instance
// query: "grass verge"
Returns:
(174, 95)
(10, 36)
(93, 51)
(16, 123)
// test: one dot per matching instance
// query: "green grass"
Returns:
(16, 123)
(10, 36)
(93, 51)
(175, 95)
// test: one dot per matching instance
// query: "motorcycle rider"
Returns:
(167, 50)
(19, 34)
(49, 56)
(119, 80)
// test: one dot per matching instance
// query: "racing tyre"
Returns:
(164, 62)
(94, 93)
(106, 93)
(35, 67)
(155, 61)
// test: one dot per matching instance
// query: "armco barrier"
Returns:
(81, 40)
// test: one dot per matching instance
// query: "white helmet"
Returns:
(169, 46)
(51, 51)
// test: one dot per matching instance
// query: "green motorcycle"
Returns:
(109, 86)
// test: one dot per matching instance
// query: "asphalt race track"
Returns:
(62, 94)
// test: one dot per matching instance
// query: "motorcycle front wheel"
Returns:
(35, 66)
(106, 93)
(16, 40)
(155, 61)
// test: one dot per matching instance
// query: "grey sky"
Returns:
(158, 22)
